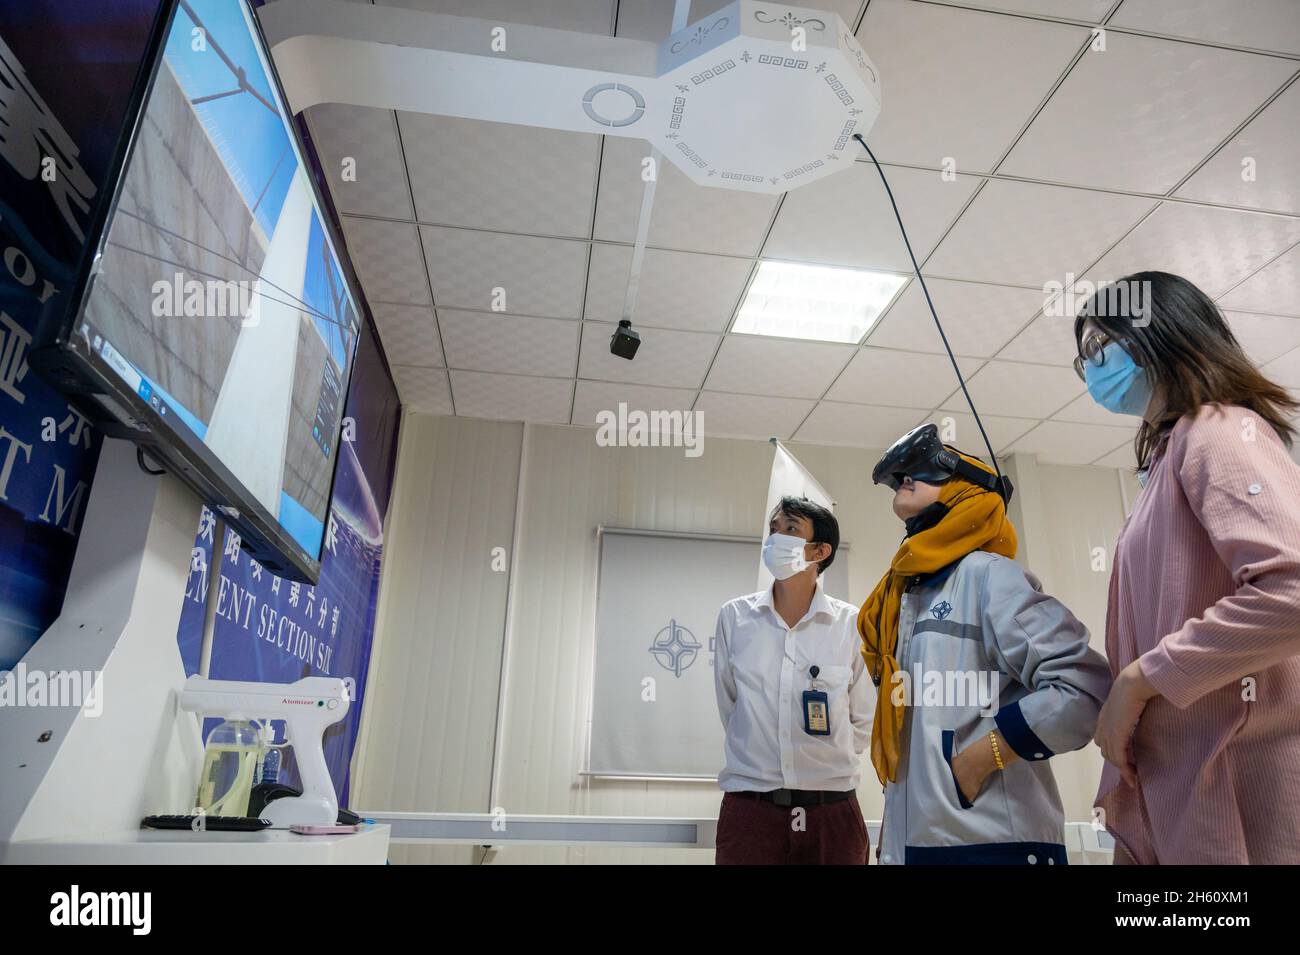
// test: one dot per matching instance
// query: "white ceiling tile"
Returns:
(1270, 144)
(423, 389)
(677, 289)
(848, 10)
(1057, 442)
(1259, 24)
(750, 416)
(1122, 457)
(511, 344)
(666, 357)
(1097, 131)
(1013, 389)
(518, 219)
(1090, 10)
(941, 99)
(386, 256)
(1049, 340)
(1274, 288)
(368, 137)
(1019, 233)
(1083, 410)
(653, 19)
(978, 319)
(409, 334)
(1264, 337)
(965, 434)
(593, 397)
(878, 376)
(582, 16)
(859, 426)
(543, 184)
(512, 397)
(1285, 370)
(686, 216)
(846, 219)
(541, 277)
(1212, 248)
(750, 364)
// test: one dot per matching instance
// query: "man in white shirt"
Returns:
(796, 706)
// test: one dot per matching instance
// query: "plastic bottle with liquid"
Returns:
(268, 768)
(230, 763)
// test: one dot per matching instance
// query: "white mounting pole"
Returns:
(98, 766)
(680, 13)
(211, 595)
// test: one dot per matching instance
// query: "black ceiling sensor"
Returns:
(624, 342)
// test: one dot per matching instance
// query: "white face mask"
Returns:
(783, 555)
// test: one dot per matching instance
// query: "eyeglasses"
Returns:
(1093, 352)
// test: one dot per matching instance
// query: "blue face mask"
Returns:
(1118, 385)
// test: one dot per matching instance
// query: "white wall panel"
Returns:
(443, 611)
(428, 731)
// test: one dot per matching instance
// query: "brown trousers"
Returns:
(754, 832)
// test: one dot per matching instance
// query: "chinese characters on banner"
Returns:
(67, 68)
(276, 630)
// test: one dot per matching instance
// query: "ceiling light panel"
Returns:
(814, 302)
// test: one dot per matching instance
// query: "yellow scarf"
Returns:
(976, 520)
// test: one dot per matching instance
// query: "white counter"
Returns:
(368, 846)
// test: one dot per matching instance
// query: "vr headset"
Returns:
(920, 455)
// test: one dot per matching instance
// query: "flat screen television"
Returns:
(215, 317)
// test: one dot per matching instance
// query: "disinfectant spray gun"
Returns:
(307, 708)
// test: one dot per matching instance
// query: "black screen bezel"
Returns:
(68, 361)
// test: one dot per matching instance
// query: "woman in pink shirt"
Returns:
(1201, 732)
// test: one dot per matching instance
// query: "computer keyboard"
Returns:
(199, 823)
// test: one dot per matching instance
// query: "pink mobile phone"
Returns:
(322, 830)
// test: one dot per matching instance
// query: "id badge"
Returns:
(816, 713)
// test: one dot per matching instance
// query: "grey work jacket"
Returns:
(984, 648)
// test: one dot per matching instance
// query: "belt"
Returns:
(799, 797)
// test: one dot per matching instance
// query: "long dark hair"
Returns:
(1178, 335)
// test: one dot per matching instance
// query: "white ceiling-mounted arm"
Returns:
(756, 96)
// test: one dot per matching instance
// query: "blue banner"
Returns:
(269, 629)
(67, 68)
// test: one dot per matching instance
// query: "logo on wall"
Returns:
(675, 648)
(37, 145)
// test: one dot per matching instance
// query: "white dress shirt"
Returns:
(761, 671)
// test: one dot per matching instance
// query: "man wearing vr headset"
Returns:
(981, 677)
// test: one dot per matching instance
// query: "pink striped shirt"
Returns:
(1206, 593)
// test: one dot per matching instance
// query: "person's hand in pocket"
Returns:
(976, 763)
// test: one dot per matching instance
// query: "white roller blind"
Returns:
(657, 605)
